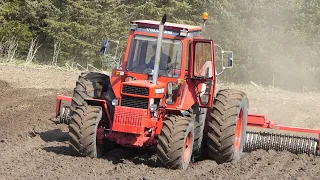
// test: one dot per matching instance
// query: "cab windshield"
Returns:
(142, 56)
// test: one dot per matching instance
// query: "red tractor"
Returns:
(164, 96)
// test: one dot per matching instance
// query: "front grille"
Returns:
(129, 120)
(143, 91)
(135, 102)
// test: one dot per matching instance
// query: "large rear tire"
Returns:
(227, 126)
(83, 131)
(175, 142)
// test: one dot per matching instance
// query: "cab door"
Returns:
(202, 70)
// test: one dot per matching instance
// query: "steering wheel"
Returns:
(170, 67)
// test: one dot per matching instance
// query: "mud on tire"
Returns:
(175, 142)
(226, 124)
(83, 131)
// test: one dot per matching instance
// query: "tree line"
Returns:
(274, 42)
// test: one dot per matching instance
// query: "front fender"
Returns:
(107, 107)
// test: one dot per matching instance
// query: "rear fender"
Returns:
(102, 103)
(189, 96)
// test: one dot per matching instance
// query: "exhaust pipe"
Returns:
(158, 50)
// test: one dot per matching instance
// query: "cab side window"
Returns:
(203, 60)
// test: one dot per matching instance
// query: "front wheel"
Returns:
(175, 142)
(227, 126)
(85, 126)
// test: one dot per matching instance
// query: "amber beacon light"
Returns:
(205, 16)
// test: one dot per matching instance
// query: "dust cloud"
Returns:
(276, 43)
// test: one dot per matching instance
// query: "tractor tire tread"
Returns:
(89, 85)
(221, 126)
(83, 139)
(171, 140)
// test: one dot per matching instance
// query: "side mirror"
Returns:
(226, 62)
(230, 59)
(105, 47)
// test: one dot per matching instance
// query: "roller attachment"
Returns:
(281, 142)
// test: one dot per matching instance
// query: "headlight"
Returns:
(153, 107)
(115, 102)
(159, 91)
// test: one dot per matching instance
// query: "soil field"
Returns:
(34, 146)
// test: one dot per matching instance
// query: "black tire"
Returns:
(171, 148)
(83, 131)
(92, 85)
(199, 122)
(221, 142)
(89, 85)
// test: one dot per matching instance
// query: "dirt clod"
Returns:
(4, 140)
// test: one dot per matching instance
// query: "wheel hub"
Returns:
(187, 148)
(238, 134)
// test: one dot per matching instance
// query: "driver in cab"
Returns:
(164, 59)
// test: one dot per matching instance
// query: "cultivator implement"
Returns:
(280, 138)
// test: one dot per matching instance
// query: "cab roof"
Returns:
(167, 24)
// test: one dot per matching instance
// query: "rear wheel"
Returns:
(175, 142)
(227, 126)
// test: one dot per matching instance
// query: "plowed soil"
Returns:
(34, 146)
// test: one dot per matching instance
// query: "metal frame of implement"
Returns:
(278, 141)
